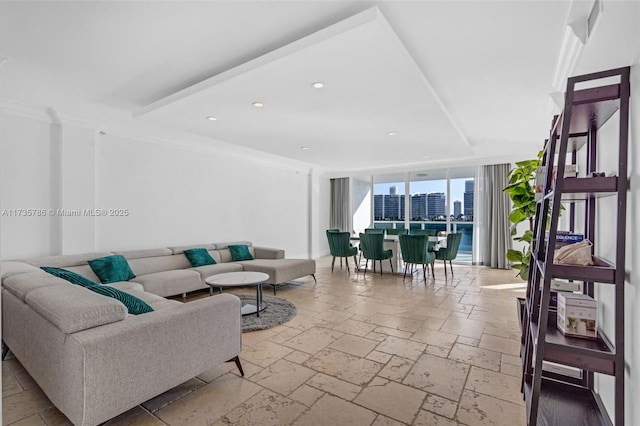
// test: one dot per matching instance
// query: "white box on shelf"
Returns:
(563, 285)
(577, 315)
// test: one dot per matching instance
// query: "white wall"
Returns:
(174, 194)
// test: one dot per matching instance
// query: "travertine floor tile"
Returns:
(313, 340)
(351, 368)
(24, 404)
(386, 421)
(391, 321)
(354, 345)
(53, 417)
(263, 409)
(337, 387)
(436, 338)
(357, 328)
(463, 327)
(135, 416)
(401, 347)
(426, 418)
(283, 376)
(439, 376)
(441, 406)
(500, 344)
(477, 409)
(172, 395)
(391, 399)
(209, 402)
(476, 356)
(396, 369)
(306, 395)
(10, 385)
(330, 410)
(264, 353)
(494, 384)
(380, 357)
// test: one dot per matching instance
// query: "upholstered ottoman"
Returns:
(281, 270)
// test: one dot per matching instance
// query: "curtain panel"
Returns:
(340, 216)
(492, 237)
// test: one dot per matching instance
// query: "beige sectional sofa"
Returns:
(93, 359)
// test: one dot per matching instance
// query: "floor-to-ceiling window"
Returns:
(439, 199)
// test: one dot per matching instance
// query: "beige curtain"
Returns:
(340, 212)
(492, 237)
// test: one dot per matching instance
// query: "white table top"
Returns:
(232, 279)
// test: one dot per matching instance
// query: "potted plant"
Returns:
(521, 190)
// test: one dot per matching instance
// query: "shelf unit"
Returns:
(552, 398)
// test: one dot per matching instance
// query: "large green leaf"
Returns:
(515, 255)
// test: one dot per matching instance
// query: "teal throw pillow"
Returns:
(134, 305)
(72, 277)
(112, 269)
(199, 257)
(240, 252)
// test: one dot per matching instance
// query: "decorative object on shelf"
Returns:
(577, 315)
(575, 254)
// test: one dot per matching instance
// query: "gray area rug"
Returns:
(278, 312)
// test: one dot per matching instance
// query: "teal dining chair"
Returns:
(372, 247)
(339, 246)
(449, 252)
(374, 231)
(415, 251)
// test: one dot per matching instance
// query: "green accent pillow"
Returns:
(134, 305)
(72, 277)
(199, 257)
(240, 252)
(112, 269)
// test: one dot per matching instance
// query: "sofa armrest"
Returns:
(268, 253)
(153, 352)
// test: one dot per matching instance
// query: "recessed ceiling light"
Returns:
(258, 104)
(304, 148)
(391, 133)
(211, 118)
(317, 85)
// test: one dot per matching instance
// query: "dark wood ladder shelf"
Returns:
(564, 393)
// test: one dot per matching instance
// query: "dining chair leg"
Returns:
(405, 271)
(390, 264)
(433, 270)
(346, 261)
(340, 263)
(451, 266)
(424, 271)
(380, 266)
(356, 263)
(445, 269)
(333, 263)
(366, 264)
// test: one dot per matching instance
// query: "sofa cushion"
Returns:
(85, 271)
(9, 268)
(181, 249)
(218, 268)
(225, 254)
(134, 305)
(151, 265)
(169, 283)
(65, 260)
(69, 276)
(199, 257)
(111, 269)
(226, 244)
(137, 254)
(240, 252)
(22, 284)
(87, 309)
(126, 286)
(281, 270)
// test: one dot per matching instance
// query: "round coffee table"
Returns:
(241, 279)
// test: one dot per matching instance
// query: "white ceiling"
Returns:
(456, 80)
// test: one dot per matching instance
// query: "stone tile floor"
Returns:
(363, 350)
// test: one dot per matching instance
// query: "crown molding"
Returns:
(19, 109)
